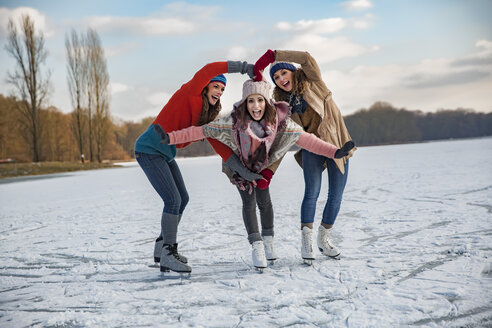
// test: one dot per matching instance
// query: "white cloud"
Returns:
(324, 49)
(119, 87)
(158, 99)
(357, 4)
(428, 85)
(322, 26)
(40, 20)
(159, 26)
(325, 26)
(174, 19)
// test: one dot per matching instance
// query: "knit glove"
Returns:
(163, 134)
(344, 151)
(240, 67)
(235, 164)
(267, 177)
(265, 60)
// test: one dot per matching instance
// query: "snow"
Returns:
(414, 230)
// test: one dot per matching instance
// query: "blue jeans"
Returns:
(166, 179)
(312, 166)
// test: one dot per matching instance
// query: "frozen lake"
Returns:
(415, 231)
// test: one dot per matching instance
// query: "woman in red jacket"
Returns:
(197, 102)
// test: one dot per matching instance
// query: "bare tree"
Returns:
(29, 54)
(77, 77)
(98, 93)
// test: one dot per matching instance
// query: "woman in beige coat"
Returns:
(313, 108)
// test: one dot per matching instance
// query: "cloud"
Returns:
(174, 19)
(326, 50)
(325, 26)
(118, 87)
(428, 85)
(357, 4)
(40, 21)
(156, 26)
(322, 26)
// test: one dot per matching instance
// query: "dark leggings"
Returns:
(262, 198)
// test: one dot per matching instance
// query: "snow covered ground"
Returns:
(414, 229)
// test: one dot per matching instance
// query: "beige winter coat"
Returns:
(322, 116)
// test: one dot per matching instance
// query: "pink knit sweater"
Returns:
(306, 141)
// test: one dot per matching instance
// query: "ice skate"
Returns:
(307, 251)
(169, 260)
(325, 245)
(258, 254)
(269, 250)
(159, 242)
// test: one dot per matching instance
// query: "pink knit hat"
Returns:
(251, 87)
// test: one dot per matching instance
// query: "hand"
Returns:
(234, 163)
(250, 71)
(344, 151)
(265, 60)
(267, 177)
(160, 131)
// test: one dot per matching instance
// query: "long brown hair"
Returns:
(299, 85)
(241, 113)
(209, 113)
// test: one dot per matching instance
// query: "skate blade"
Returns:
(155, 265)
(259, 269)
(308, 261)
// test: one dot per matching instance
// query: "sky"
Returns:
(418, 55)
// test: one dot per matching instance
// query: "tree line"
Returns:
(384, 124)
(32, 131)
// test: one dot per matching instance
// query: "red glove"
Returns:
(265, 60)
(267, 174)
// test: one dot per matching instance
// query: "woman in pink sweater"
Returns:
(260, 132)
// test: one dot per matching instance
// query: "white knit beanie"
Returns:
(251, 87)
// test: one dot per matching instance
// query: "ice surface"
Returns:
(414, 230)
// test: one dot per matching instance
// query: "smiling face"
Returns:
(256, 106)
(283, 79)
(214, 92)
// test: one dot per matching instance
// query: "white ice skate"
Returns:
(159, 242)
(269, 250)
(307, 251)
(324, 243)
(258, 254)
(170, 261)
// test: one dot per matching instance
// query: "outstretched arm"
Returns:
(315, 145)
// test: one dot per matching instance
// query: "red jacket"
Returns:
(185, 106)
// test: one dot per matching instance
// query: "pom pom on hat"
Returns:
(280, 65)
(219, 78)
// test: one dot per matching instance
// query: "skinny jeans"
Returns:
(262, 199)
(312, 165)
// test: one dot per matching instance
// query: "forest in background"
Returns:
(378, 125)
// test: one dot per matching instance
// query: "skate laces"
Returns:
(173, 250)
(307, 241)
(325, 239)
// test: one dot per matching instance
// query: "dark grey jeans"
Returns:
(262, 199)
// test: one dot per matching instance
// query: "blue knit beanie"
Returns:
(281, 65)
(219, 78)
